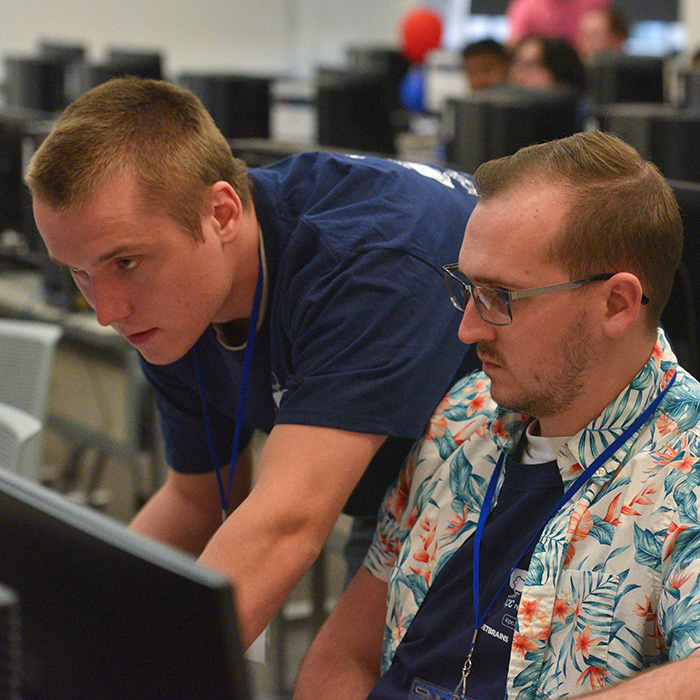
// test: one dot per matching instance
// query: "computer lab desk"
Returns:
(122, 423)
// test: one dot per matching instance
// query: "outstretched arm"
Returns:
(343, 661)
(304, 476)
(186, 511)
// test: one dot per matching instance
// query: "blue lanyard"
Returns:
(225, 493)
(460, 691)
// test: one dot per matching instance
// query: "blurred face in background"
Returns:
(527, 66)
(596, 35)
(484, 70)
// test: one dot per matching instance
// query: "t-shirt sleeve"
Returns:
(373, 346)
(190, 445)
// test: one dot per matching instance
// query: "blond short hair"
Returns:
(623, 215)
(154, 129)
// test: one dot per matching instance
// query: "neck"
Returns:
(605, 383)
(245, 268)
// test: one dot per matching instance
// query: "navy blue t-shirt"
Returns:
(437, 642)
(358, 332)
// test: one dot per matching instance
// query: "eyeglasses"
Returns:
(493, 304)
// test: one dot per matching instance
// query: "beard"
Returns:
(557, 380)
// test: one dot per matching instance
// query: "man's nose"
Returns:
(110, 304)
(473, 328)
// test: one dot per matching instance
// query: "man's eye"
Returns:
(127, 263)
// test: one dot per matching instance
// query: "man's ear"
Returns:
(224, 210)
(623, 303)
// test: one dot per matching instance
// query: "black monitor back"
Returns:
(666, 135)
(17, 133)
(120, 62)
(144, 64)
(498, 122)
(354, 111)
(680, 318)
(239, 104)
(616, 78)
(34, 82)
(109, 614)
(73, 58)
(387, 62)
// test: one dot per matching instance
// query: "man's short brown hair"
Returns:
(154, 129)
(623, 215)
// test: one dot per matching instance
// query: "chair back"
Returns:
(20, 441)
(26, 355)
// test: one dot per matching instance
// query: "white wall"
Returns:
(689, 14)
(284, 37)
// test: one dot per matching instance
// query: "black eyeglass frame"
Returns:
(451, 272)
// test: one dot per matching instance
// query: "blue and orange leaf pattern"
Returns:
(613, 586)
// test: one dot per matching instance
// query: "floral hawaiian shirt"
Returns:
(613, 585)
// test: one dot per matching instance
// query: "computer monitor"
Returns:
(33, 82)
(680, 318)
(666, 135)
(144, 64)
(239, 104)
(354, 111)
(497, 122)
(618, 78)
(109, 614)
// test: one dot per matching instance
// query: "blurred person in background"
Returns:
(555, 18)
(485, 64)
(602, 30)
(541, 62)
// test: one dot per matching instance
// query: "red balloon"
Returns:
(421, 31)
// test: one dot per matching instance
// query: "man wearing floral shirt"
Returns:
(552, 505)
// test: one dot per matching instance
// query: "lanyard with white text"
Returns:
(461, 689)
(225, 494)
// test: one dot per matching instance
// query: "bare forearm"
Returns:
(264, 555)
(679, 680)
(304, 476)
(334, 677)
(186, 510)
(176, 521)
(343, 662)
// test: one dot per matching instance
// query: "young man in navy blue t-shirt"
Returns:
(312, 289)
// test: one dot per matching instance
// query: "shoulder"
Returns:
(318, 167)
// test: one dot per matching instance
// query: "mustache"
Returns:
(488, 353)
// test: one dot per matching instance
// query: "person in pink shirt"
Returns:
(555, 18)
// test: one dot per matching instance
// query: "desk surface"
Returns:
(22, 296)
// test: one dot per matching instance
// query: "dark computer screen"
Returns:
(144, 64)
(620, 78)
(664, 134)
(35, 83)
(107, 613)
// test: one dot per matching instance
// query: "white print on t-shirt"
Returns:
(444, 177)
(517, 580)
(510, 606)
(278, 391)
(495, 633)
